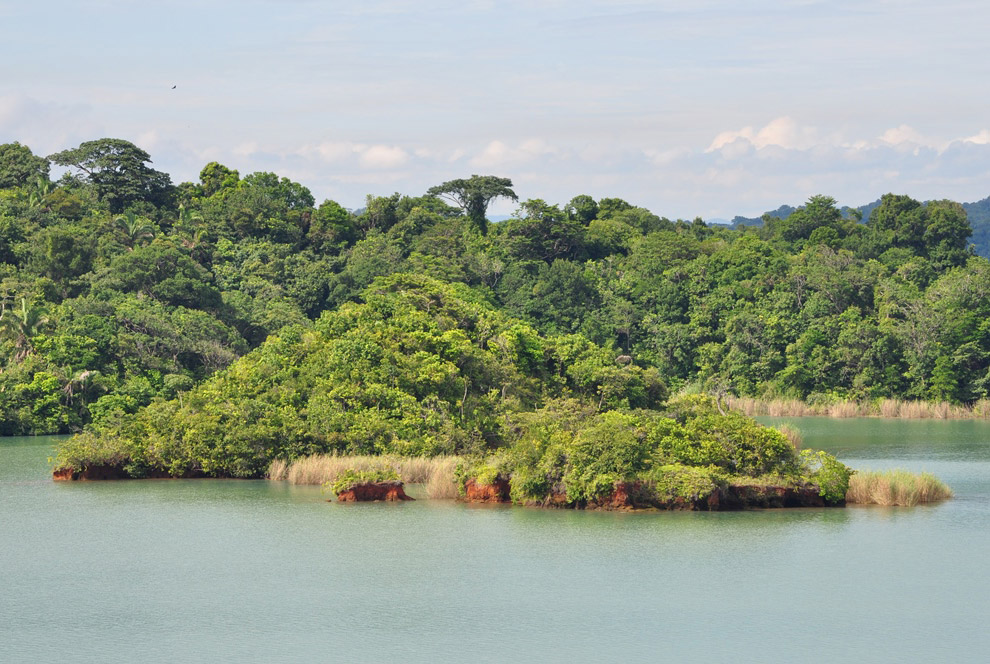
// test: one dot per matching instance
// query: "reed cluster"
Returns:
(793, 434)
(437, 473)
(895, 487)
(938, 410)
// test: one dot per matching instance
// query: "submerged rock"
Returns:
(374, 491)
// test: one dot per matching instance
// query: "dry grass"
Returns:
(278, 469)
(845, 409)
(793, 434)
(771, 407)
(442, 484)
(890, 408)
(895, 487)
(939, 410)
(437, 473)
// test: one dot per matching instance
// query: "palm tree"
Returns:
(36, 196)
(79, 385)
(186, 226)
(21, 326)
(135, 228)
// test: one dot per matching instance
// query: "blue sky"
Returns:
(687, 108)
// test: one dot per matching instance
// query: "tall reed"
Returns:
(278, 469)
(437, 473)
(895, 487)
(792, 433)
(939, 410)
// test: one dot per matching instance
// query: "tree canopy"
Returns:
(164, 293)
(474, 194)
(118, 171)
(19, 166)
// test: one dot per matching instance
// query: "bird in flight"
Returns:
(173, 87)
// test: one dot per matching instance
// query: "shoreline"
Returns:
(881, 409)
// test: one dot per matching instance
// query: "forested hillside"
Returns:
(118, 286)
(977, 213)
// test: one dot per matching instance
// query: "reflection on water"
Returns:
(176, 570)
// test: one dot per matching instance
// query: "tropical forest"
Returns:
(213, 328)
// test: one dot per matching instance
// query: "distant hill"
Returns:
(978, 214)
(782, 212)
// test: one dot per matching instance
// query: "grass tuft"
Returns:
(895, 487)
(793, 434)
(437, 473)
(938, 410)
(278, 469)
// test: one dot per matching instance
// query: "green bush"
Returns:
(352, 478)
(830, 474)
(688, 483)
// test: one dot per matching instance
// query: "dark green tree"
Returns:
(19, 166)
(21, 324)
(583, 208)
(474, 195)
(119, 172)
(216, 178)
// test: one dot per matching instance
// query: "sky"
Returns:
(688, 108)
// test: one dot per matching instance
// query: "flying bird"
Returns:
(173, 87)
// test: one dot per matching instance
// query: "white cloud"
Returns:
(330, 152)
(46, 127)
(665, 157)
(383, 156)
(903, 134)
(245, 149)
(499, 154)
(782, 132)
(343, 153)
(147, 140)
(981, 138)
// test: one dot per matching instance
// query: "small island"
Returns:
(421, 368)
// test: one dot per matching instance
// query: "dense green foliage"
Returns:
(118, 288)
(569, 453)
(351, 478)
(418, 368)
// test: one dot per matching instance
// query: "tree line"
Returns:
(119, 288)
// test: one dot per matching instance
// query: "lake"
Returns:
(255, 571)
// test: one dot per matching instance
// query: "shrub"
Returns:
(611, 449)
(352, 478)
(830, 474)
(689, 483)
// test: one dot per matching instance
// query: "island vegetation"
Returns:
(215, 327)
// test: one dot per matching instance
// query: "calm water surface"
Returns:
(217, 570)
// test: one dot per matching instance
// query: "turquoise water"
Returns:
(252, 571)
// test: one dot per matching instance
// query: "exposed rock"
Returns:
(108, 472)
(101, 472)
(634, 495)
(625, 496)
(63, 475)
(374, 491)
(742, 496)
(497, 492)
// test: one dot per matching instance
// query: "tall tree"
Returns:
(119, 172)
(474, 195)
(19, 166)
(21, 325)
